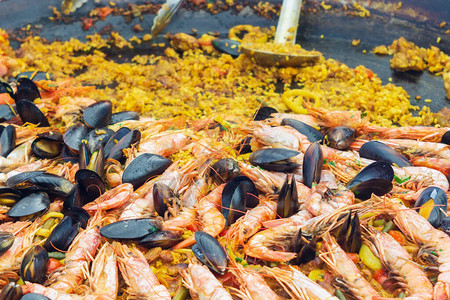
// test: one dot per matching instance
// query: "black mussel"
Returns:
(26, 90)
(376, 179)
(339, 137)
(349, 237)
(287, 203)
(244, 146)
(29, 205)
(11, 291)
(52, 183)
(115, 138)
(48, 145)
(7, 112)
(6, 241)
(7, 140)
(131, 138)
(9, 197)
(97, 161)
(67, 229)
(133, 229)
(209, 251)
(224, 170)
(123, 116)
(34, 296)
(6, 88)
(432, 203)
(227, 46)
(144, 167)
(74, 136)
(68, 155)
(305, 249)
(164, 239)
(163, 198)
(30, 113)
(445, 225)
(446, 138)
(312, 164)
(74, 198)
(310, 132)
(98, 137)
(22, 177)
(238, 195)
(274, 159)
(34, 265)
(91, 185)
(84, 156)
(36, 75)
(98, 114)
(380, 152)
(264, 113)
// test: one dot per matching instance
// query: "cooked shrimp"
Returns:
(307, 119)
(112, 199)
(211, 219)
(249, 224)
(350, 278)
(165, 143)
(321, 200)
(398, 260)
(265, 181)
(104, 278)
(437, 163)
(422, 133)
(334, 118)
(114, 173)
(279, 137)
(32, 166)
(202, 284)
(252, 284)
(298, 285)
(194, 193)
(142, 282)
(78, 257)
(18, 157)
(23, 235)
(422, 176)
(54, 294)
(186, 217)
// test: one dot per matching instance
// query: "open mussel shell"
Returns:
(227, 46)
(36, 76)
(6, 88)
(74, 198)
(376, 178)
(7, 112)
(131, 138)
(98, 114)
(144, 167)
(164, 239)
(34, 265)
(26, 90)
(349, 237)
(432, 203)
(339, 137)
(274, 159)
(68, 155)
(11, 291)
(29, 205)
(114, 139)
(7, 140)
(22, 177)
(48, 145)
(123, 116)
(224, 170)
(9, 197)
(6, 241)
(98, 137)
(34, 296)
(133, 229)
(380, 152)
(287, 203)
(310, 132)
(238, 195)
(163, 197)
(305, 248)
(52, 183)
(74, 136)
(209, 251)
(30, 113)
(312, 164)
(90, 184)
(244, 146)
(446, 138)
(67, 229)
(445, 225)
(264, 113)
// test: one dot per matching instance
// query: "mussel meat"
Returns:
(224, 170)
(132, 229)
(123, 116)
(312, 164)
(98, 114)
(163, 198)
(339, 137)
(6, 241)
(376, 179)
(48, 145)
(380, 152)
(432, 204)
(34, 265)
(305, 249)
(30, 205)
(143, 167)
(30, 113)
(274, 159)
(310, 132)
(9, 197)
(11, 291)
(287, 203)
(238, 195)
(264, 113)
(349, 237)
(164, 239)
(7, 140)
(209, 251)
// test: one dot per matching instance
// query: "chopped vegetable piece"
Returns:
(369, 259)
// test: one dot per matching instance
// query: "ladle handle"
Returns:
(288, 21)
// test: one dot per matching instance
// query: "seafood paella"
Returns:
(197, 174)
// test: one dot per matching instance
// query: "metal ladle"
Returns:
(286, 33)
